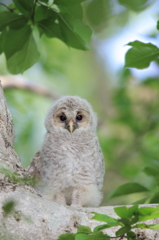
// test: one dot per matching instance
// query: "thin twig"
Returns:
(34, 10)
(10, 9)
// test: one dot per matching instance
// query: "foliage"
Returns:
(59, 19)
(141, 54)
(128, 219)
(128, 188)
(15, 178)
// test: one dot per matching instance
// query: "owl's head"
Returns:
(71, 114)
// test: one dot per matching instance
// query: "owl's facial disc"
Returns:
(71, 119)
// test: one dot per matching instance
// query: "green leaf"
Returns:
(84, 229)
(105, 218)
(50, 27)
(147, 210)
(136, 5)
(12, 20)
(154, 198)
(123, 230)
(148, 217)
(25, 58)
(67, 236)
(157, 25)
(131, 236)
(141, 225)
(125, 212)
(42, 13)
(141, 201)
(154, 226)
(25, 6)
(74, 32)
(141, 54)
(105, 226)
(98, 13)
(73, 10)
(127, 188)
(122, 212)
(2, 35)
(68, 2)
(14, 40)
(98, 236)
(81, 236)
(8, 206)
(152, 171)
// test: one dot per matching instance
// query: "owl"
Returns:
(70, 165)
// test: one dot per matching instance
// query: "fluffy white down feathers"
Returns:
(70, 164)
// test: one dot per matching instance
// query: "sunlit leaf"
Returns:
(127, 188)
(105, 218)
(125, 212)
(81, 236)
(98, 236)
(141, 225)
(84, 229)
(102, 227)
(154, 226)
(66, 236)
(141, 54)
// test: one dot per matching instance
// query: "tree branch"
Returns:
(10, 9)
(9, 82)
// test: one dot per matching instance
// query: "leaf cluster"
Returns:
(132, 187)
(128, 219)
(60, 19)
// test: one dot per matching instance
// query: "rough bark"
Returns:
(34, 217)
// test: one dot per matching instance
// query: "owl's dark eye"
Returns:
(62, 118)
(79, 117)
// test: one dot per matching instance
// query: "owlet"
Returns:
(70, 164)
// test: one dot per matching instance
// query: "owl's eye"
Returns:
(62, 118)
(79, 117)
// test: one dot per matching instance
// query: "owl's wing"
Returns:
(101, 166)
(35, 166)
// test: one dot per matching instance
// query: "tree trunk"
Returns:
(33, 217)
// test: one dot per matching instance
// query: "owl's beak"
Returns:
(71, 126)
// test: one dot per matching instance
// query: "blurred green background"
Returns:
(126, 101)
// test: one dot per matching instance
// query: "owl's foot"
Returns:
(60, 198)
(76, 198)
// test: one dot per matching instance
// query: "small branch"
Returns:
(10, 9)
(9, 82)
(34, 10)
